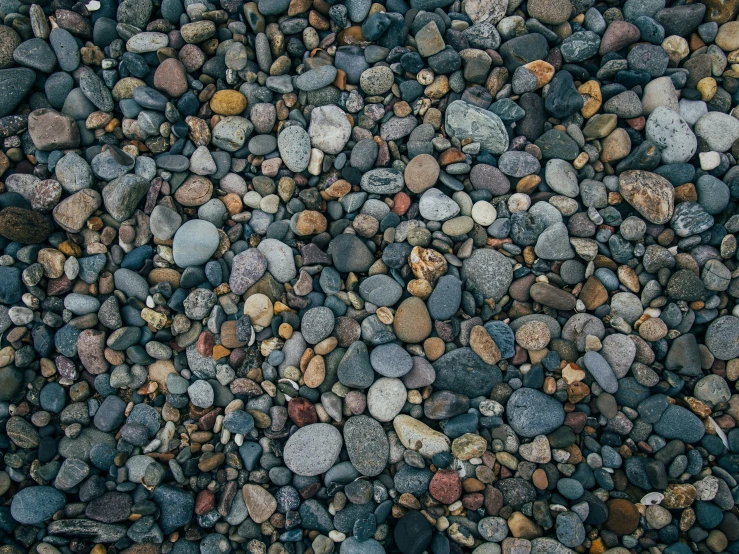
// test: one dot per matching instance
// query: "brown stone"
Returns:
(551, 12)
(90, 349)
(451, 156)
(301, 412)
(412, 322)
(551, 296)
(543, 71)
(616, 146)
(593, 293)
(591, 93)
(51, 130)
(533, 335)
(679, 496)
(211, 460)
(427, 263)
(24, 226)
(205, 502)
(522, 527)
(158, 372)
(260, 503)
(315, 373)
(483, 345)
(618, 35)
(228, 335)
(540, 479)
(171, 77)
(721, 11)
(72, 212)
(686, 193)
(445, 486)
(728, 36)
(650, 194)
(310, 222)
(194, 192)
(228, 102)
(421, 173)
(623, 517)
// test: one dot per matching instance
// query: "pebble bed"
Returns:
(335, 276)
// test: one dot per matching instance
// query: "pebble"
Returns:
(194, 243)
(532, 413)
(312, 450)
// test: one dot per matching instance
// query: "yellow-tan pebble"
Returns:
(228, 102)
(259, 308)
(707, 87)
(315, 373)
(593, 98)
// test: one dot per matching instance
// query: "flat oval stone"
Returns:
(194, 243)
(532, 413)
(366, 444)
(34, 505)
(313, 449)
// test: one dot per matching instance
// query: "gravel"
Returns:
(349, 277)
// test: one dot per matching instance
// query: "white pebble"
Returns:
(709, 160)
(519, 202)
(483, 213)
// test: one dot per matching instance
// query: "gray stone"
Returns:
(464, 120)
(366, 444)
(294, 145)
(489, 271)
(312, 449)
(194, 243)
(280, 261)
(122, 195)
(532, 413)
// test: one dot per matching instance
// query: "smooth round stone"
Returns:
(280, 262)
(672, 134)
(386, 398)
(678, 423)
(352, 546)
(354, 369)
(446, 298)
(570, 530)
(201, 394)
(194, 243)
(376, 80)
(261, 145)
(238, 422)
(110, 415)
(561, 177)
(437, 206)
(601, 371)
(722, 337)
(532, 413)
(294, 144)
(164, 222)
(382, 181)
(317, 324)
(489, 271)
(34, 505)
(329, 129)
(366, 444)
(719, 130)
(246, 269)
(713, 194)
(313, 449)
(380, 290)
(315, 79)
(391, 360)
(52, 398)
